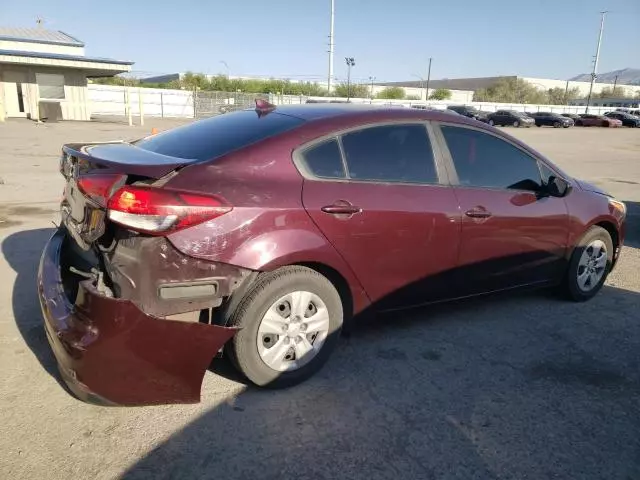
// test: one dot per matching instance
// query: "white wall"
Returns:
(110, 100)
(41, 47)
(73, 107)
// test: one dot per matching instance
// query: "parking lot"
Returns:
(512, 387)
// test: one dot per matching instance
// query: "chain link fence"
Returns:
(208, 104)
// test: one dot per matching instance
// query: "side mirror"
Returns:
(557, 187)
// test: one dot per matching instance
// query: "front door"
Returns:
(512, 233)
(14, 93)
(376, 195)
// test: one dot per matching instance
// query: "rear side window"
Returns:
(482, 160)
(324, 160)
(219, 135)
(390, 153)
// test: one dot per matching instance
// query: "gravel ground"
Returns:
(522, 386)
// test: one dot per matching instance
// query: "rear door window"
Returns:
(324, 160)
(219, 135)
(483, 160)
(390, 153)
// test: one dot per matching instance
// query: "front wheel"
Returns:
(492, 123)
(556, 125)
(590, 264)
(290, 322)
(516, 123)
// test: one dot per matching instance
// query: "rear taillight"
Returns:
(99, 187)
(157, 210)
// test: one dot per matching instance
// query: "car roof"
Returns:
(318, 111)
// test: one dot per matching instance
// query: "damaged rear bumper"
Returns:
(111, 352)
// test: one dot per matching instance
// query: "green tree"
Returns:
(610, 92)
(440, 94)
(412, 97)
(354, 91)
(192, 80)
(391, 93)
(558, 96)
(511, 90)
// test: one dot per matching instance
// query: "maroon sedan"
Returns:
(259, 233)
(588, 120)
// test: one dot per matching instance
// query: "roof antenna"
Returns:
(263, 107)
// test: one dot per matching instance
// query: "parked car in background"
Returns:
(468, 111)
(510, 117)
(572, 116)
(627, 119)
(589, 120)
(264, 230)
(549, 119)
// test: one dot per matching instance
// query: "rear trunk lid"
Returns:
(105, 166)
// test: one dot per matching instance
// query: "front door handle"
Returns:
(341, 207)
(478, 212)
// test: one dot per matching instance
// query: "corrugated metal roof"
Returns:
(38, 35)
(59, 56)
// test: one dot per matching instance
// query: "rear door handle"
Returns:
(341, 207)
(478, 212)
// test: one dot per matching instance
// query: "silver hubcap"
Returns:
(592, 265)
(292, 331)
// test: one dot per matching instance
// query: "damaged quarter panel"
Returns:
(163, 281)
(268, 226)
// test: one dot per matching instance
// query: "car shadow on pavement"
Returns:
(521, 386)
(22, 251)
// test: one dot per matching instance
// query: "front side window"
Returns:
(50, 86)
(324, 160)
(390, 153)
(483, 160)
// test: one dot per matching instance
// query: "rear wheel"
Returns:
(589, 265)
(516, 123)
(491, 122)
(290, 322)
(556, 125)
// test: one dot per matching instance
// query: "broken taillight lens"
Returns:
(99, 187)
(157, 211)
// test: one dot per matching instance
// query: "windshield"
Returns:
(219, 135)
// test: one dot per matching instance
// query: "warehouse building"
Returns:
(43, 74)
(476, 83)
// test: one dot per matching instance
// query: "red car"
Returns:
(259, 233)
(588, 120)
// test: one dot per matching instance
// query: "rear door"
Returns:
(511, 234)
(379, 196)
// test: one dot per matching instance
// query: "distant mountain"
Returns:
(626, 76)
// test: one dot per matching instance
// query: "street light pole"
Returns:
(428, 78)
(350, 63)
(594, 74)
(330, 77)
(372, 79)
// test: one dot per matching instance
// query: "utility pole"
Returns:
(594, 74)
(566, 93)
(372, 79)
(331, 45)
(615, 82)
(350, 63)
(428, 78)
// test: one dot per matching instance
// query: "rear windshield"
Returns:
(216, 136)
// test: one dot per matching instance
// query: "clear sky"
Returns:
(390, 39)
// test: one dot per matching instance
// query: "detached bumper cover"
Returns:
(110, 352)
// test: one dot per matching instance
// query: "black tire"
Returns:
(516, 123)
(570, 284)
(578, 123)
(491, 122)
(538, 124)
(556, 125)
(266, 290)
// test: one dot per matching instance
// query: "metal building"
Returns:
(43, 74)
